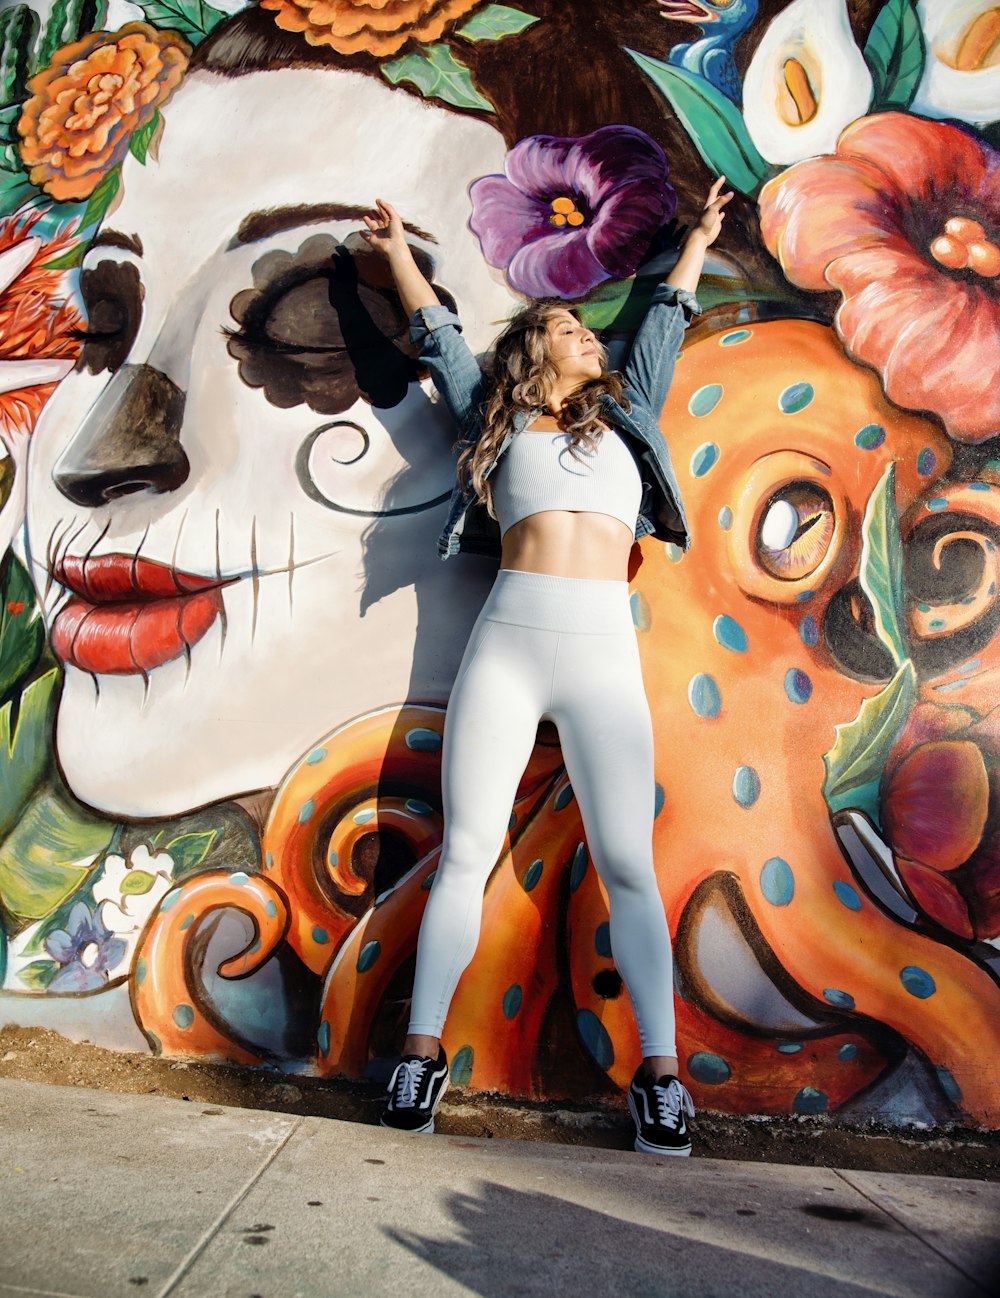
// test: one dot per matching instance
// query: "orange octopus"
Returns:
(801, 982)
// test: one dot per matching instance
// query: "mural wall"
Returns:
(227, 641)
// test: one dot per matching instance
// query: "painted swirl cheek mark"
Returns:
(313, 332)
(112, 295)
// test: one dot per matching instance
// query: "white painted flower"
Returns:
(806, 81)
(962, 73)
(129, 892)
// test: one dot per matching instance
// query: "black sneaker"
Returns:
(658, 1110)
(415, 1091)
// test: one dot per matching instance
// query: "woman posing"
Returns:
(562, 466)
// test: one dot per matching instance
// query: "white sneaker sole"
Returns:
(644, 1147)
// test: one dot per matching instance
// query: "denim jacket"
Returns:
(436, 332)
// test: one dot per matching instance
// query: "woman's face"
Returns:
(246, 438)
(573, 348)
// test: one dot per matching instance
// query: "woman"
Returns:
(555, 453)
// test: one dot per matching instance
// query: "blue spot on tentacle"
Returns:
(869, 438)
(809, 1100)
(708, 1068)
(512, 999)
(602, 940)
(917, 982)
(532, 874)
(422, 740)
(730, 634)
(595, 1037)
(777, 882)
(926, 462)
(367, 956)
(842, 1000)
(846, 895)
(789, 1047)
(798, 686)
(704, 458)
(795, 398)
(306, 811)
(809, 630)
(746, 786)
(725, 518)
(704, 401)
(704, 696)
(735, 338)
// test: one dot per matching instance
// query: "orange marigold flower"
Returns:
(378, 27)
(86, 104)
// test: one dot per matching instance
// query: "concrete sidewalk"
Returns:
(105, 1194)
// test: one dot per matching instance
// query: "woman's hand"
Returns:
(385, 233)
(709, 224)
(386, 236)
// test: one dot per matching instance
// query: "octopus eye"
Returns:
(795, 531)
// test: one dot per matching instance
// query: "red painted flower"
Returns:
(904, 220)
(15, 606)
(940, 782)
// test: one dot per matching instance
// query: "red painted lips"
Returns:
(129, 615)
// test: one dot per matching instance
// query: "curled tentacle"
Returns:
(168, 996)
(493, 1028)
(372, 784)
(952, 548)
(386, 936)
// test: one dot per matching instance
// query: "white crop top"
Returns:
(538, 471)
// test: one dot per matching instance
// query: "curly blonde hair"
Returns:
(520, 377)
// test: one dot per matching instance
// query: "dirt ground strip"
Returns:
(34, 1054)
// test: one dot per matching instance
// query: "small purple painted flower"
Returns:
(85, 949)
(573, 212)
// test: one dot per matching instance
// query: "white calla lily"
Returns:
(806, 81)
(962, 73)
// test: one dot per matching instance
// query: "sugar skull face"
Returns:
(233, 500)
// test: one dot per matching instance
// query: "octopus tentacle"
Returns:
(168, 997)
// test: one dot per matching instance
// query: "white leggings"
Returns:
(563, 649)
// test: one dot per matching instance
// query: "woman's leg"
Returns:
(493, 713)
(606, 733)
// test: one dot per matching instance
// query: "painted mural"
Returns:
(227, 641)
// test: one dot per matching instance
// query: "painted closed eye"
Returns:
(112, 294)
(318, 329)
(795, 531)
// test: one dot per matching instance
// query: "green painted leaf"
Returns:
(101, 199)
(713, 122)
(38, 974)
(22, 632)
(437, 74)
(48, 853)
(882, 564)
(192, 18)
(68, 260)
(861, 748)
(141, 140)
(136, 882)
(18, 29)
(895, 54)
(68, 20)
(187, 851)
(25, 753)
(495, 22)
(15, 190)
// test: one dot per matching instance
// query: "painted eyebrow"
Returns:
(259, 225)
(115, 239)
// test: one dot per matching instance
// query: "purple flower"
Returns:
(85, 949)
(572, 212)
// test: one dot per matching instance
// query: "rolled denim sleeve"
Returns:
(650, 367)
(436, 332)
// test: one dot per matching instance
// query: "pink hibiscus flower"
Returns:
(904, 220)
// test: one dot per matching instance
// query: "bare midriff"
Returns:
(567, 543)
(563, 543)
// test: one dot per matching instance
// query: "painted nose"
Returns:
(129, 442)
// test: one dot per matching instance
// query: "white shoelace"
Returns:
(669, 1099)
(408, 1077)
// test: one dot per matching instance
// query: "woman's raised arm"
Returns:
(385, 234)
(687, 272)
